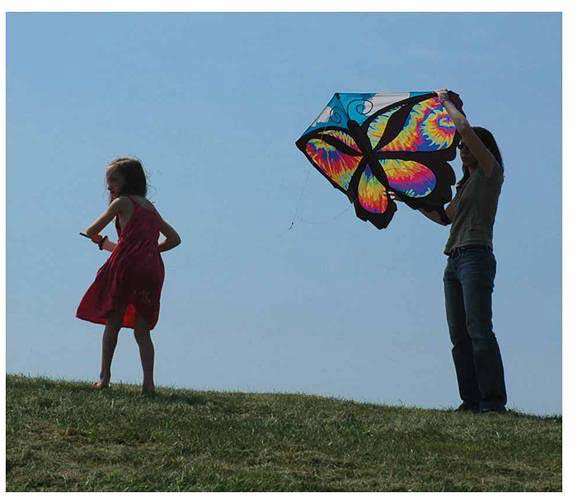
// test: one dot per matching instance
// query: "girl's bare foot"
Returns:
(103, 383)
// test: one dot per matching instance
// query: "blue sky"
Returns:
(212, 105)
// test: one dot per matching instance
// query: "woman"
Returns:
(471, 267)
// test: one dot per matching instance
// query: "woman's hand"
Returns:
(442, 94)
(96, 238)
(453, 106)
(393, 196)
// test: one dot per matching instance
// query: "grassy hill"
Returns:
(62, 436)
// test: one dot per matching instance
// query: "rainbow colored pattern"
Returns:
(409, 177)
(379, 141)
(377, 127)
(428, 128)
(343, 137)
(336, 165)
(372, 196)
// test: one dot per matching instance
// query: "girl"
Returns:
(471, 267)
(127, 288)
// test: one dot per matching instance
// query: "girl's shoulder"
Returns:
(123, 202)
(142, 201)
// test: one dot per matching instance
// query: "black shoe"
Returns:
(468, 407)
(499, 409)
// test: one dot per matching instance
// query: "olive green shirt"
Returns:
(475, 209)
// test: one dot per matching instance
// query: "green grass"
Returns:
(63, 436)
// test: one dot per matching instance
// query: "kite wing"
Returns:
(367, 144)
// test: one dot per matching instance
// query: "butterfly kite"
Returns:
(368, 144)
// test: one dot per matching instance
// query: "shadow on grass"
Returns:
(115, 391)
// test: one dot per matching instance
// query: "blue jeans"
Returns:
(468, 286)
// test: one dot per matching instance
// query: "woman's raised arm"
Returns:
(483, 155)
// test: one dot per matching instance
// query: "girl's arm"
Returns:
(108, 245)
(486, 160)
(116, 206)
(172, 238)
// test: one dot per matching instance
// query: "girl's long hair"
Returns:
(133, 173)
(489, 142)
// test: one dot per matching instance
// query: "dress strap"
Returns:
(134, 201)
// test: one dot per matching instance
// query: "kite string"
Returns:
(300, 199)
(330, 219)
(296, 215)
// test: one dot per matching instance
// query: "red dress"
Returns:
(132, 275)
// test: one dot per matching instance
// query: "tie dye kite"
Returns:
(368, 144)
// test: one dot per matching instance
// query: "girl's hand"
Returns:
(96, 238)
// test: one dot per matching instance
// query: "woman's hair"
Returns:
(489, 142)
(133, 174)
